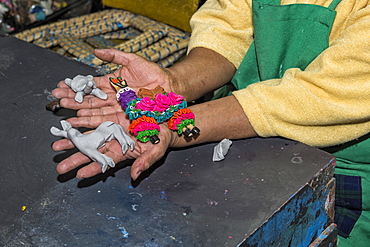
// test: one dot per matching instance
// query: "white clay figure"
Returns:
(84, 85)
(90, 143)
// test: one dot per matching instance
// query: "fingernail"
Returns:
(137, 175)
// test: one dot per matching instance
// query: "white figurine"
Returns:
(84, 85)
(90, 143)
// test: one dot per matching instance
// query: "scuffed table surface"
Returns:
(185, 200)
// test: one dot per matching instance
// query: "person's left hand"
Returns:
(145, 155)
(92, 111)
(139, 73)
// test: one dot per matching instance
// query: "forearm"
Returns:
(201, 71)
(217, 119)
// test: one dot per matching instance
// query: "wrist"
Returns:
(172, 83)
(169, 135)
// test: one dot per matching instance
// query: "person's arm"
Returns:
(222, 32)
(225, 26)
(218, 119)
(327, 103)
(200, 72)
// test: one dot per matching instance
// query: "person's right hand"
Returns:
(137, 71)
(145, 155)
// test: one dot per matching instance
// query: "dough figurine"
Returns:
(149, 108)
(90, 143)
(84, 85)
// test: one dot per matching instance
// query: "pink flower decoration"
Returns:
(174, 98)
(145, 126)
(146, 104)
(162, 103)
(183, 117)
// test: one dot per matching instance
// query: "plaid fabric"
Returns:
(348, 203)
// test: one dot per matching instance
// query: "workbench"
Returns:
(266, 192)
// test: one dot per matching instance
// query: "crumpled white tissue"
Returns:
(221, 149)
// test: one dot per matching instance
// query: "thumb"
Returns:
(113, 56)
(143, 162)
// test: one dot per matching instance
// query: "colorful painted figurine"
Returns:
(84, 85)
(149, 108)
(90, 143)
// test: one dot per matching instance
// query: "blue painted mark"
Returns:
(163, 195)
(124, 231)
(111, 217)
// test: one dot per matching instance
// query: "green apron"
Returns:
(292, 36)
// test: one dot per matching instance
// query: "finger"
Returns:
(103, 82)
(89, 102)
(90, 170)
(107, 110)
(139, 165)
(63, 93)
(143, 162)
(115, 56)
(107, 55)
(62, 144)
(62, 84)
(72, 162)
(92, 121)
(112, 151)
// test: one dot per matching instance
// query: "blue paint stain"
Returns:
(111, 217)
(124, 231)
(163, 195)
(131, 187)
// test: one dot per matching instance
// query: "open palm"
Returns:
(137, 71)
(145, 154)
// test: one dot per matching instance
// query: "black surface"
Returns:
(185, 200)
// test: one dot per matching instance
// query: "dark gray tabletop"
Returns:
(184, 200)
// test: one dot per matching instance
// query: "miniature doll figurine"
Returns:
(90, 143)
(149, 108)
(84, 85)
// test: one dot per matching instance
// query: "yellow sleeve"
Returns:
(224, 26)
(329, 102)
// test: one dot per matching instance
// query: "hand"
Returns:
(146, 154)
(137, 71)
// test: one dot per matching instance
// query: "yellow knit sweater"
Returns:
(326, 104)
